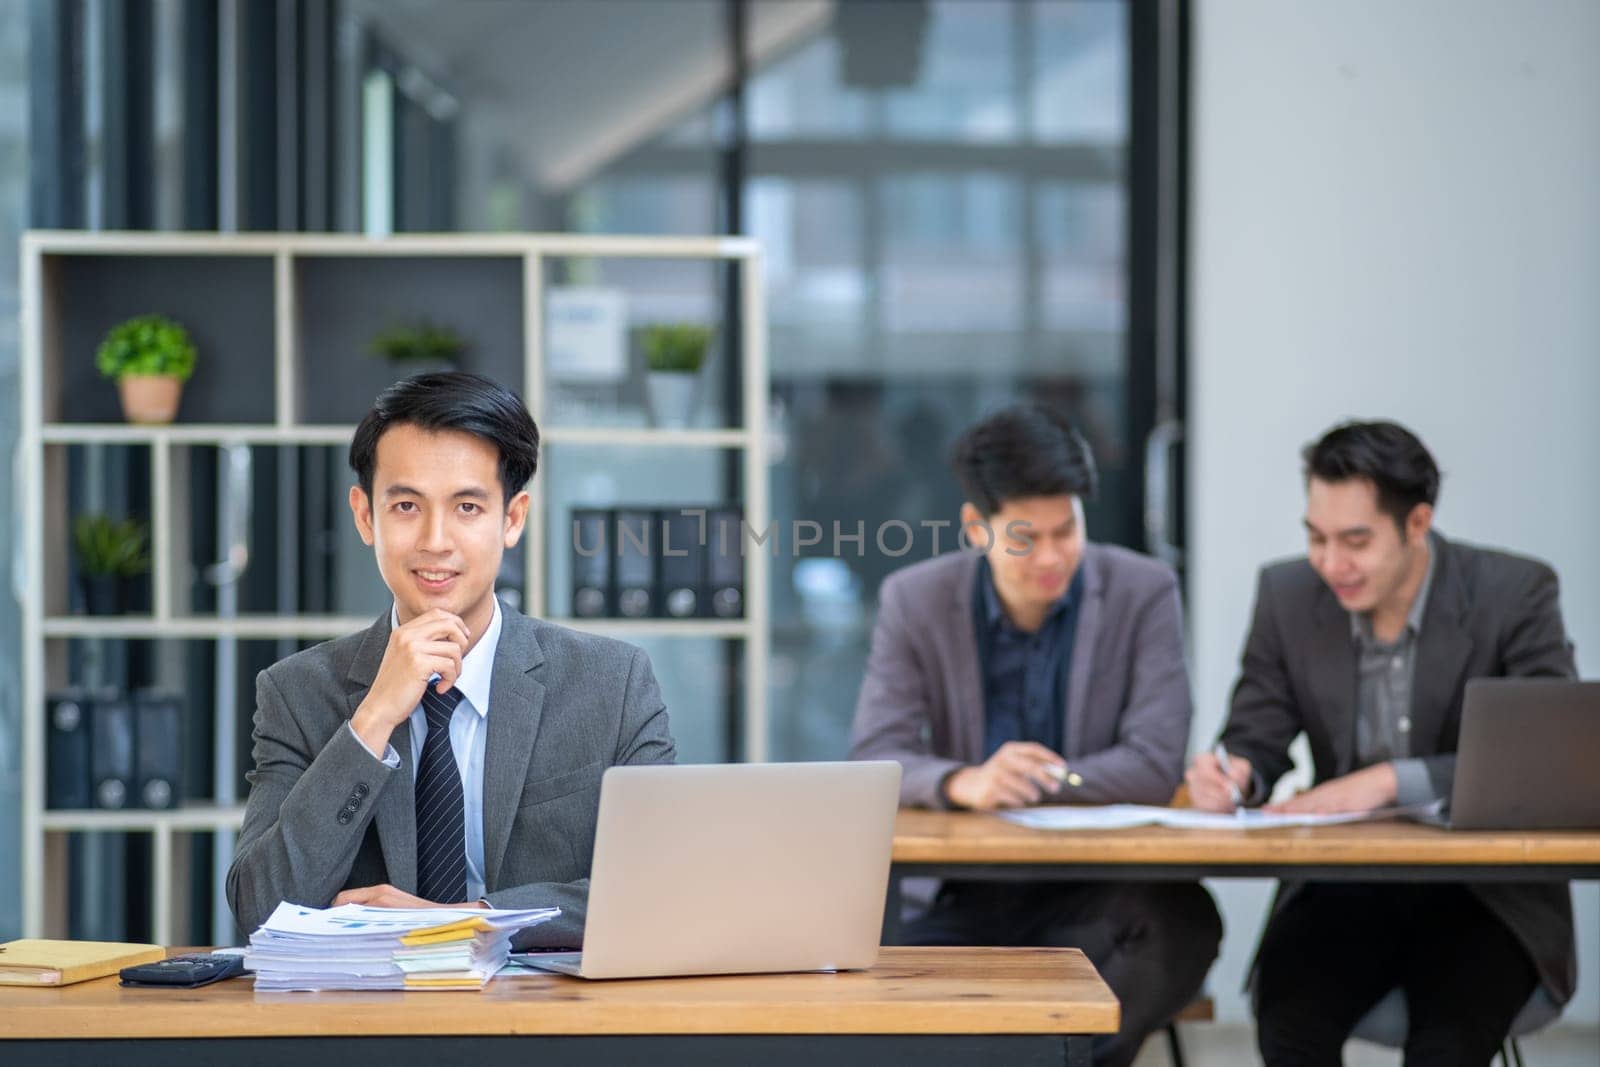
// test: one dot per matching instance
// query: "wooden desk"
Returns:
(971, 846)
(943, 1006)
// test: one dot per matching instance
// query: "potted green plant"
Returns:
(414, 348)
(111, 552)
(674, 354)
(149, 357)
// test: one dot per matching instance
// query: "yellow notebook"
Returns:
(35, 962)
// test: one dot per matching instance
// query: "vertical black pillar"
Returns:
(199, 92)
(1144, 219)
(55, 104)
(316, 103)
(127, 91)
(258, 133)
(286, 85)
(1157, 260)
(1180, 31)
(733, 147)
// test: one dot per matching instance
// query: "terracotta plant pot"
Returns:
(149, 398)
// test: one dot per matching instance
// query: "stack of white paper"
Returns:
(1124, 816)
(359, 947)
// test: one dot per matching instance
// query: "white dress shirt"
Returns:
(468, 732)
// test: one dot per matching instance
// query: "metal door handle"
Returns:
(236, 480)
(1158, 491)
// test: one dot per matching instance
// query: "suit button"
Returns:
(353, 805)
(344, 817)
(362, 790)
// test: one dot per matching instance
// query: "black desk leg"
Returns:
(1080, 1051)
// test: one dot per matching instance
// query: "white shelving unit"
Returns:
(40, 578)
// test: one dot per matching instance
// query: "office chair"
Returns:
(1202, 1009)
(1387, 1023)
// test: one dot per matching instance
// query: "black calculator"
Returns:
(185, 972)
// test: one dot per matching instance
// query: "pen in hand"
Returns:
(1227, 772)
(1063, 775)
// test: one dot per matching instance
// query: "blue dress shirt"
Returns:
(1024, 674)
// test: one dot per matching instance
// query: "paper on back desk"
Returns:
(1126, 816)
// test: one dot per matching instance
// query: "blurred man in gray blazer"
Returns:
(1366, 645)
(1043, 668)
(451, 754)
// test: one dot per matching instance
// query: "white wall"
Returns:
(1396, 212)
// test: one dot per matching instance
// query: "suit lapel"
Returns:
(516, 706)
(1072, 729)
(396, 814)
(1331, 677)
(1443, 649)
(961, 654)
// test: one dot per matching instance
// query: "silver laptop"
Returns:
(737, 869)
(1525, 757)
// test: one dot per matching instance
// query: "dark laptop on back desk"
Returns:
(1526, 757)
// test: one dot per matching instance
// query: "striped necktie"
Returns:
(441, 822)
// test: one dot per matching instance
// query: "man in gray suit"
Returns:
(1043, 668)
(1366, 646)
(451, 754)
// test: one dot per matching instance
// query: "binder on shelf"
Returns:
(725, 563)
(111, 749)
(682, 555)
(593, 549)
(635, 562)
(158, 715)
(67, 716)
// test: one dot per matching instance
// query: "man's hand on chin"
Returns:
(387, 896)
(1364, 790)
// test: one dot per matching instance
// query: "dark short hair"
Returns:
(1386, 454)
(1022, 451)
(459, 401)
